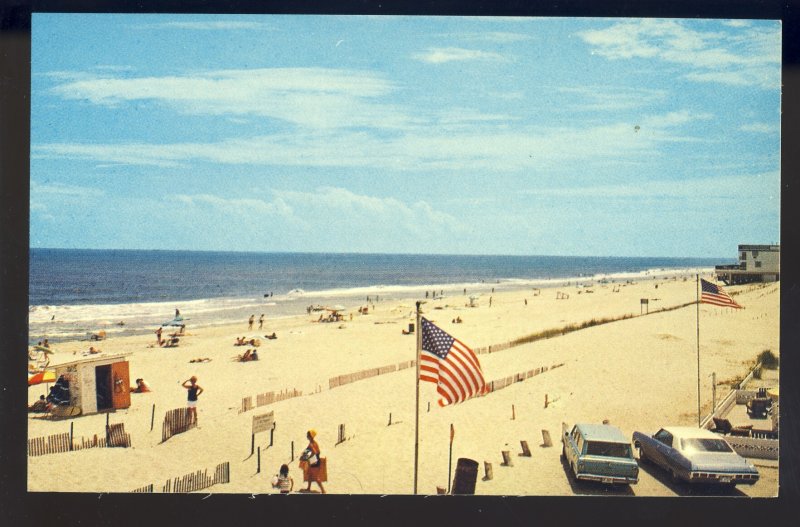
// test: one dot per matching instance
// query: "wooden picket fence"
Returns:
(176, 422)
(199, 480)
(146, 489)
(59, 443)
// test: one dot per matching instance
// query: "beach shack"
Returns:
(98, 384)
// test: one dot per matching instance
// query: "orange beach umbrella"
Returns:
(40, 377)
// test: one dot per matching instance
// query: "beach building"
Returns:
(97, 384)
(757, 263)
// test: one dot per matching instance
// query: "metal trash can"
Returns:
(466, 476)
(411, 327)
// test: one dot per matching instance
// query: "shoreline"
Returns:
(77, 321)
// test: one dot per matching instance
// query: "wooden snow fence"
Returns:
(59, 443)
(199, 480)
(499, 384)
(147, 489)
(176, 422)
(263, 399)
(348, 378)
(53, 444)
(116, 436)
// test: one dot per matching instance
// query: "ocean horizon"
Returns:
(74, 292)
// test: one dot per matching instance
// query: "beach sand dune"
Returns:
(639, 373)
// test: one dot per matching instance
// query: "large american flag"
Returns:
(714, 294)
(450, 364)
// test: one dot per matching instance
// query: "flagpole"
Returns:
(697, 292)
(416, 427)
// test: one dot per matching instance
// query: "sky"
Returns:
(383, 134)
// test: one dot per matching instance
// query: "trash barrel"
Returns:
(466, 476)
(411, 327)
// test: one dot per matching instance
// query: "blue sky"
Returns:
(606, 137)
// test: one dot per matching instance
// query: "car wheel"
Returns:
(674, 476)
(642, 456)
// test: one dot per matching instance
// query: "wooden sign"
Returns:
(645, 301)
(263, 422)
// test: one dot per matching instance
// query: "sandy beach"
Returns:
(639, 373)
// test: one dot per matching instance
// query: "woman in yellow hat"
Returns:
(313, 463)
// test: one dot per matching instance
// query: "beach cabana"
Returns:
(97, 384)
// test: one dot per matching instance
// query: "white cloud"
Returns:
(346, 207)
(488, 143)
(605, 98)
(313, 97)
(234, 205)
(749, 56)
(441, 55)
(764, 187)
(762, 128)
(60, 189)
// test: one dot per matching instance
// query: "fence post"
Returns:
(487, 467)
(70, 435)
(258, 470)
(292, 452)
(152, 417)
(506, 459)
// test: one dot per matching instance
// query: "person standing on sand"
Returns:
(310, 454)
(250, 321)
(261, 321)
(194, 391)
(158, 335)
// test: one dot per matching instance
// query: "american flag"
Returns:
(714, 294)
(450, 364)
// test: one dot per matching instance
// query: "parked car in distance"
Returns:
(695, 455)
(597, 452)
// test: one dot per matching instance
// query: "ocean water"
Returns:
(75, 292)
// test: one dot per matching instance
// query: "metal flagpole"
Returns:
(697, 292)
(416, 427)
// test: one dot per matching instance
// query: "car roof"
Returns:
(689, 431)
(596, 432)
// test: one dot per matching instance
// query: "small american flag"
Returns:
(450, 364)
(714, 294)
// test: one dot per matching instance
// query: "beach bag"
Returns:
(310, 457)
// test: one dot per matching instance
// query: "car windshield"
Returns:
(601, 448)
(695, 444)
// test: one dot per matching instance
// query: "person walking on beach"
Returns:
(158, 335)
(261, 321)
(250, 321)
(194, 391)
(311, 457)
